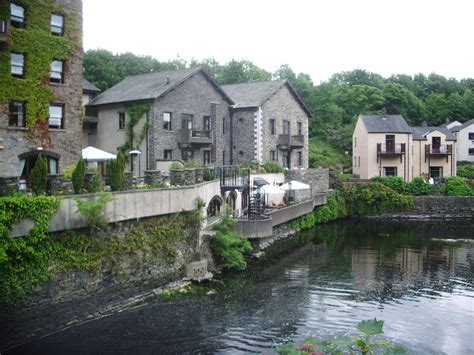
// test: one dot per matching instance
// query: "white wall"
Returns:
(464, 144)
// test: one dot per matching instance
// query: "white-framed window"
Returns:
(57, 24)
(167, 121)
(17, 63)
(57, 71)
(390, 171)
(17, 114)
(56, 115)
(17, 17)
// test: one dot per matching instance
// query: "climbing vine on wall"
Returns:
(40, 47)
(134, 139)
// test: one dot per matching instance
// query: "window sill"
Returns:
(57, 129)
(15, 128)
(57, 84)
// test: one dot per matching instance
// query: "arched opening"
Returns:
(28, 162)
(231, 199)
(214, 206)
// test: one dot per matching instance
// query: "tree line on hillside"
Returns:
(335, 103)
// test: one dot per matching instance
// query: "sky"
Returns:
(316, 37)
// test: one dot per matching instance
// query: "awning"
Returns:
(259, 182)
(95, 154)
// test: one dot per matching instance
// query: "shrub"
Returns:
(228, 246)
(95, 184)
(190, 164)
(394, 182)
(455, 186)
(78, 176)
(116, 172)
(273, 167)
(374, 198)
(419, 187)
(67, 172)
(176, 165)
(466, 170)
(208, 175)
(39, 176)
(93, 210)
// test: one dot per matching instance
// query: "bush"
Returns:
(116, 172)
(394, 182)
(208, 175)
(93, 210)
(273, 167)
(466, 170)
(39, 176)
(455, 186)
(419, 187)
(95, 184)
(78, 176)
(228, 246)
(67, 172)
(190, 164)
(176, 165)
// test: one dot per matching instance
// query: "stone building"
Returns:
(40, 84)
(269, 123)
(170, 115)
(89, 128)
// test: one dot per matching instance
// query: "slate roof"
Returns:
(464, 125)
(149, 86)
(87, 86)
(420, 132)
(256, 93)
(385, 124)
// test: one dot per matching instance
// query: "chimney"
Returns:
(448, 120)
(424, 124)
(167, 79)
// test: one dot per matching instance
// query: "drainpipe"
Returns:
(231, 132)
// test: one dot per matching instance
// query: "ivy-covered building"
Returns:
(40, 84)
(166, 116)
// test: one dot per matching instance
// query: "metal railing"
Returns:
(390, 148)
(288, 140)
(193, 136)
(443, 149)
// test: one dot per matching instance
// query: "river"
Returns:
(417, 277)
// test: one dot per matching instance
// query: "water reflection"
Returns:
(321, 283)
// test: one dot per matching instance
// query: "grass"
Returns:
(322, 154)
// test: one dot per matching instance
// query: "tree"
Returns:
(241, 71)
(399, 100)
(78, 176)
(39, 176)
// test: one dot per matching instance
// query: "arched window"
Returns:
(28, 161)
(231, 199)
(214, 207)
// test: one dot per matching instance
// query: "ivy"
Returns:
(134, 139)
(41, 47)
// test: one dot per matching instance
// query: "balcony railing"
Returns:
(192, 136)
(391, 148)
(291, 141)
(442, 149)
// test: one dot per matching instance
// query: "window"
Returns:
(57, 71)
(167, 121)
(471, 136)
(56, 115)
(223, 125)
(436, 171)
(355, 142)
(17, 114)
(3, 26)
(300, 159)
(206, 123)
(92, 129)
(206, 157)
(284, 159)
(57, 24)
(223, 157)
(241, 153)
(358, 158)
(186, 121)
(299, 128)
(272, 126)
(17, 18)
(471, 151)
(121, 120)
(390, 144)
(168, 154)
(273, 155)
(389, 171)
(17, 64)
(187, 155)
(286, 127)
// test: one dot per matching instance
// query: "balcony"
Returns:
(188, 137)
(442, 150)
(390, 150)
(286, 141)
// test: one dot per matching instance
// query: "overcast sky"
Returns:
(317, 37)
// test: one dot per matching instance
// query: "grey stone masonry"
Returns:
(67, 141)
(152, 177)
(8, 185)
(317, 178)
(244, 135)
(128, 181)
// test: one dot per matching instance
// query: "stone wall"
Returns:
(317, 178)
(243, 121)
(436, 207)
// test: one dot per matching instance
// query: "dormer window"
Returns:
(17, 18)
(57, 24)
(57, 71)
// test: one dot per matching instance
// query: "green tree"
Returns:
(39, 176)
(78, 176)
(241, 71)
